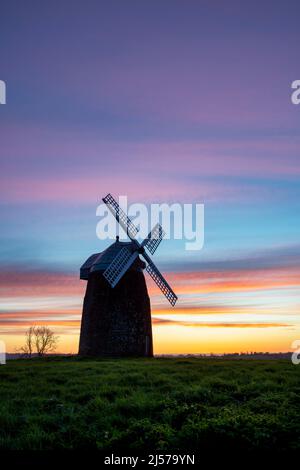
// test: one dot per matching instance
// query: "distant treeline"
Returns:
(247, 355)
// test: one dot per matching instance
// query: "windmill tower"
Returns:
(116, 317)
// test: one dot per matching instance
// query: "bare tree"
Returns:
(40, 340)
(44, 339)
(27, 349)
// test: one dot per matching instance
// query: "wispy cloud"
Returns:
(164, 321)
(206, 298)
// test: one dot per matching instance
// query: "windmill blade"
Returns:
(161, 282)
(125, 222)
(154, 238)
(118, 267)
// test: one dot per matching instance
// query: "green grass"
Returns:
(146, 404)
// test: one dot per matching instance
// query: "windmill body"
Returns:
(116, 318)
(115, 321)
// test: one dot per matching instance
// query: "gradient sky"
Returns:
(165, 102)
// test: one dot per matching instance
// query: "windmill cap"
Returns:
(100, 261)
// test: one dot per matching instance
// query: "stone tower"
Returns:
(115, 321)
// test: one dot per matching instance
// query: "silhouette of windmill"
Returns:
(116, 317)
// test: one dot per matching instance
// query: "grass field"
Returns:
(146, 404)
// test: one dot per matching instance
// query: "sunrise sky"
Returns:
(164, 102)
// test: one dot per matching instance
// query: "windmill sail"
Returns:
(154, 238)
(161, 282)
(123, 219)
(118, 267)
(126, 257)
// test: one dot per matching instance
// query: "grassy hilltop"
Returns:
(147, 404)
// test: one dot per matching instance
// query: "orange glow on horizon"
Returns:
(202, 323)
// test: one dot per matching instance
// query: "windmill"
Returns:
(116, 318)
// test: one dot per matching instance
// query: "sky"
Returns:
(170, 101)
